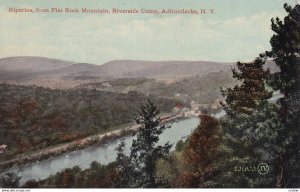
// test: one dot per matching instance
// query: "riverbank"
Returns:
(98, 139)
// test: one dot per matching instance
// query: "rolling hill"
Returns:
(61, 74)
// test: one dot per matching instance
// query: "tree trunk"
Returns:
(279, 170)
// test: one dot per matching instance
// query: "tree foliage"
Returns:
(124, 168)
(270, 133)
(33, 118)
(144, 150)
(9, 180)
(286, 51)
(200, 153)
(286, 54)
(251, 92)
(249, 140)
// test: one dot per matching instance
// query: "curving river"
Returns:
(101, 153)
(106, 153)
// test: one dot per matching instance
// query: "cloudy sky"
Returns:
(239, 30)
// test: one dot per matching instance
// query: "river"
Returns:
(102, 153)
(106, 153)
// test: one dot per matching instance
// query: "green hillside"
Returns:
(33, 117)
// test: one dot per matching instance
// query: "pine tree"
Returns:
(144, 150)
(251, 92)
(290, 175)
(249, 140)
(124, 169)
(243, 143)
(286, 51)
(257, 131)
(251, 130)
(286, 54)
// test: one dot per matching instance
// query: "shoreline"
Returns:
(97, 139)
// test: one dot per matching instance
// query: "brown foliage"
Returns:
(67, 179)
(23, 144)
(65, 137)
(31, 184)
(105, 181)
(58, 122)
(28, 106)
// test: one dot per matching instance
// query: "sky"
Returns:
(237, 31)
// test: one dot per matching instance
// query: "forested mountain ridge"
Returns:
(54, 73)
(200, 88)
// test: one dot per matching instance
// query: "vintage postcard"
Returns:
(149, 94)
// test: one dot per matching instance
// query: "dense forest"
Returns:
(33, 117)
(223, 153)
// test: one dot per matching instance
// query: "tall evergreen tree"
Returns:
(286, 54)
(288, 174)
(286, 51)
(269, 133)
(139, 169)
(251, 92)
(144, 150)
(249, 140)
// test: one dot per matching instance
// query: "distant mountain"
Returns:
(30, 70)
(56, 73)
(162, 69)
(45, 72)
(32, 64)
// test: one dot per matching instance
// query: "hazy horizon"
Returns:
(114, 60)
(238, 31)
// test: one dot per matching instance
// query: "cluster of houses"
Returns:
(197, 109)
(179, 110)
